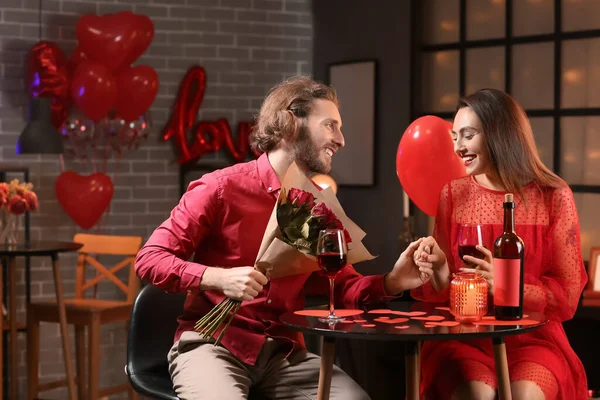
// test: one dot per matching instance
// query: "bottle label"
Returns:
(507, 282)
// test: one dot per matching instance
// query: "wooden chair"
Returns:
(85, 312)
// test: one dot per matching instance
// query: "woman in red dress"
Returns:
(493, 136)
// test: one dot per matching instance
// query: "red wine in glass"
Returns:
(331, 257)
(469, 236)
(469, 250)
(331, 263)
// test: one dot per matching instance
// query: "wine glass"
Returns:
(331, 256)
(469, 236)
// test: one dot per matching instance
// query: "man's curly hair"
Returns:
(274, 121)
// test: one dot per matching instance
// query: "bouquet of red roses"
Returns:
(289, 243)
(300, 220)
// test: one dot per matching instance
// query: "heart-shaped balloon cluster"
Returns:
(98, 77)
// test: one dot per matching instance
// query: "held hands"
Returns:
(431, 261)
(405, 275)
(485, 267)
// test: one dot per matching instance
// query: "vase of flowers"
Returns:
(16, 198)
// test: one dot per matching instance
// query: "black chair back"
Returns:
(151, 332)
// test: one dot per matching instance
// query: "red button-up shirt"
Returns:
(221, 220)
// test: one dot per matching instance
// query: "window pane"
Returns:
(533, 17)
(580, 15)
(543, 132)
(440, 81)
(589, 220)
(485, 68)
(580, 148)
(486, 19)
(581, 73)
(533, 75)
(440, 21)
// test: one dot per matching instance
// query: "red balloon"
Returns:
(84, 198)
(47, 74)
(94, 90)
(137, 89)
(144, 33)
(115, 40)
(426, 161)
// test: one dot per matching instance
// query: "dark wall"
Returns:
(360, 29)
(347, 30)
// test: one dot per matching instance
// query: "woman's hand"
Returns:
(431, 260)
(430, 255)
(485, 267)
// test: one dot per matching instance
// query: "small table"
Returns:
(51, 249)
(411, 336)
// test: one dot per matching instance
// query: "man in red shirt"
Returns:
(221, 220)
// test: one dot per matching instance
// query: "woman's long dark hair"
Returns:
(509, 139)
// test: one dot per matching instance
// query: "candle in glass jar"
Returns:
(468, 297)
(471, 299)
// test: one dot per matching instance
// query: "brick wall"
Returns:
(245, 46)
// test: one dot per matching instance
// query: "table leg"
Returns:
(327, 358)
(504, 392)
(12, 319)
(62, 318)
(412, 363)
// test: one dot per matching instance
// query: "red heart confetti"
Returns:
(368, 325)
(386, 320)
(380, 311)
(409, 314)
(443, 323)
(430, 318)
(402, 327)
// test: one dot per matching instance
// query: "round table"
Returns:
(412, 335)
(31, 249)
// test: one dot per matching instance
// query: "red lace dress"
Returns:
(554, 278)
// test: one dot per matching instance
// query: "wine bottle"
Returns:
(509, 256)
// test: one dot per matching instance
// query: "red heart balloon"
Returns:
(137, 89)
(144, 33)
(84, 198)
(114, 39)
(426, 161)
(47, 74)
(94, 89)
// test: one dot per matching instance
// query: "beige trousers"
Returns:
(200, 371)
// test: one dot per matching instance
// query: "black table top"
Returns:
(38, 248)
(416, 330)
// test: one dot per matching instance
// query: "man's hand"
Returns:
(239, 283)
(406, 274)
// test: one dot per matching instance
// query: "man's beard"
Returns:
(307, 154)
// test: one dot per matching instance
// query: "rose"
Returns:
(31, 199)
(325, 214)
(17, 205)
(299, 197)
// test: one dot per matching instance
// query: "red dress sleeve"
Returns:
(556, 292)
(441, 233)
